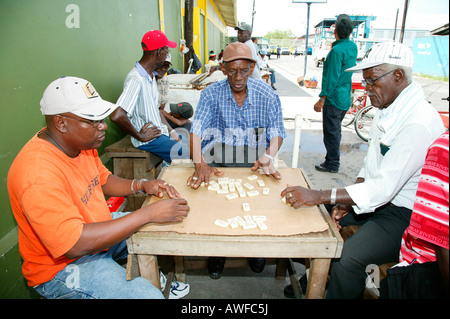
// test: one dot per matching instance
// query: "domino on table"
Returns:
(261, 225)
(252, 193)
(221, 223)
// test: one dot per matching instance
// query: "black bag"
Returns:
(417, 281)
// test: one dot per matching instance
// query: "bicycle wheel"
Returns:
(363, 122)
(358, 102)
(349, 117)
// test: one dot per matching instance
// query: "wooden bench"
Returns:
(132, 163)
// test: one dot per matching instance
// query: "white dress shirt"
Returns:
(406, 128)
(256, 72)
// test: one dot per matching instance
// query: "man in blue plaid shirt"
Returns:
(238, 123)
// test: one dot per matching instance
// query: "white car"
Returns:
(321, 51)
(285, 51)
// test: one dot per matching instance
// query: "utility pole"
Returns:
(395, 26)
(405, 12)
(253, 13)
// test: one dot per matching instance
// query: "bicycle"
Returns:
(358, 102)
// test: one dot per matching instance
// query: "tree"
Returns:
(280, 34)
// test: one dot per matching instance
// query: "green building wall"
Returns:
(36, 47)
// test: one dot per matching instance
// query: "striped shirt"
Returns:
(219, 119)
(140, 100)
(429, 220)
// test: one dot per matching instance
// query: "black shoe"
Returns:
(257, 264)
(273, 87)
(289, 292)
(215, 267)
(323, 168)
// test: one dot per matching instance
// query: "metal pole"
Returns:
(299, 119)
(253, 12)
(306, 42)
(395, 27)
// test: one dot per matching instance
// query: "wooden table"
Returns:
(319, 248)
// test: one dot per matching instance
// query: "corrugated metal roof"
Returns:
(227, 9)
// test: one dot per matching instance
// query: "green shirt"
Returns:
(336, 83)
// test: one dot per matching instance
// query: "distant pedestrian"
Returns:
(278, 52)
(245, 36)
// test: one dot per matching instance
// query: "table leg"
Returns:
(317, 278)
(148, 267)
(180, 270)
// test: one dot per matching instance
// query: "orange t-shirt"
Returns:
(52, 196)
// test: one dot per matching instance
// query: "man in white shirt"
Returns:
(245, 36)
(383, 196)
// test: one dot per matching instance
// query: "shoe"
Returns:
(162, 281)
(257, 264)
(178, 290)
(273, 87)
(215, 267)
(289, 292)
(323, 168)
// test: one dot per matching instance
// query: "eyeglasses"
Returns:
(94, 124)
(372, 81)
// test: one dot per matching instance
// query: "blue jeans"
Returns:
(98, 276)
(167, 149)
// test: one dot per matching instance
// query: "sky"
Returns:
(285, 15)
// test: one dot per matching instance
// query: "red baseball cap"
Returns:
(156, 39)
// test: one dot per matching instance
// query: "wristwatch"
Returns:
(333, 196)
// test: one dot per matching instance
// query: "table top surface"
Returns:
(307, 230)
(206, 206)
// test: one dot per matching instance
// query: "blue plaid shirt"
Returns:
(219, 119)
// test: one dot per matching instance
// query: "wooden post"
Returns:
(188, 31)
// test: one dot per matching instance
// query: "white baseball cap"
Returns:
(387, 52)
(77, 96)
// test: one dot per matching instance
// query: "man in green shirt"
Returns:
(335, 97)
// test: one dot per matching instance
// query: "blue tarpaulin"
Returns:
(431, 55)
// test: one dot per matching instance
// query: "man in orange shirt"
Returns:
(57, 185)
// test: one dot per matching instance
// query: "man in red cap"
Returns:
(138, 109)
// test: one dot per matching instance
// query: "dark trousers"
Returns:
(376, 242)
(331, 120)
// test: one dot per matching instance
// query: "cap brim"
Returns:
(171, 44)
(363, 66)
(239, 58)
(174, 108)
(96, 111)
